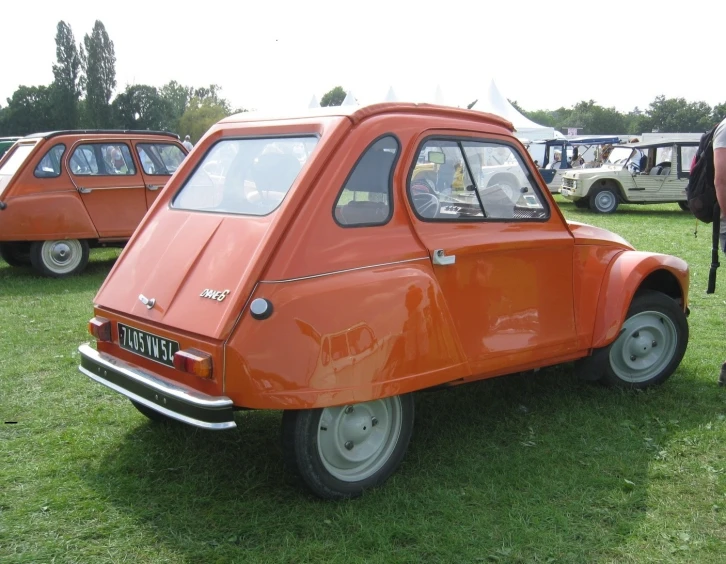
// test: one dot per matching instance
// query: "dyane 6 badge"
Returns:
(214, 294)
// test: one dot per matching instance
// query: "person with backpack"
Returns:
(719, 182)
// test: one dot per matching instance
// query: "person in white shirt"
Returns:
(187, 143)
(719, 182)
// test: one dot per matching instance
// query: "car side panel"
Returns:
(348, 337)
(625, 275)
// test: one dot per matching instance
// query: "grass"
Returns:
(526, 468)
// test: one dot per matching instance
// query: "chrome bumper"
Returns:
(172, 399)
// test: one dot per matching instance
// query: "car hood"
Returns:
(585, 234)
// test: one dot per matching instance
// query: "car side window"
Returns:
(50, 165)
(468, 180)
(366, 196)
(102, 159)
(159, 158)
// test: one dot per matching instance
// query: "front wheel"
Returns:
(604, 200)
(61, 258)
(339, 452)
(651, 344)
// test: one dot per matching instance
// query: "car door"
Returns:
(653, 186)
(110, 185)
(158, 161)
(502, 257)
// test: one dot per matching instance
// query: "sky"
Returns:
(274, 55)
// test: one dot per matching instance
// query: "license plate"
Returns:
(147, 345)
(565, 192)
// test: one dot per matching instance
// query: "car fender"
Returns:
(629, 272)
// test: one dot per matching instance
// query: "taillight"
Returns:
(100, 327)
(194, 362)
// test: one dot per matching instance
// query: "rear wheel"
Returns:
(60, 258)
(604, 199)
(15, 254)
(650, 346)
(339, 452)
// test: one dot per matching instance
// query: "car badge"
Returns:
(148, 302)
(214, 294)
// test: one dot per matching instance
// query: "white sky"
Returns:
(273, 54)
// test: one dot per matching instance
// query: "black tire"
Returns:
(650, 346)
(582, 203)
(326, 474)
(684, 206)
(604, 199)
(152, 414)
(60, 258)
(15, 254)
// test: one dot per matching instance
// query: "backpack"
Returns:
(700, 190)
(701, 194)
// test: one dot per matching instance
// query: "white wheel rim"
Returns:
(355, 441)
(644, 348)
(605, 201)
(62, 257)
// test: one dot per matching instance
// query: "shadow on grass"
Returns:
(542, 464)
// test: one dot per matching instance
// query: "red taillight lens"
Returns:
(194, 362)
(100, 327)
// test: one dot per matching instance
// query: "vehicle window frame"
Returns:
(459, 140)
(100, 162)
(391, 173)
(60, 162)
(201, 160)
(141, 145)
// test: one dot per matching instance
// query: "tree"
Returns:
(177, 98)
(99, 65)
(66, 75)
(141, 107)
(675, 115)
(199, 117)
(333, 97)
(28, 111)
(718, 113)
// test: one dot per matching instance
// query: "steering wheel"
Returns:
(426, 204)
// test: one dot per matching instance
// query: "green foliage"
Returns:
(141, 107)
(29, 110)
(66, 78)
(98, 59)
(333, 97)
(678, 115)
(200, 115)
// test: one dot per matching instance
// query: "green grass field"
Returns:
(525, 468)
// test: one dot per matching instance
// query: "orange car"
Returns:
(295, 263)
(64, 192)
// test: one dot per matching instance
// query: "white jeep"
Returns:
(636, 173)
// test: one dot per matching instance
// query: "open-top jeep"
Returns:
(637, 173)
(300, 263)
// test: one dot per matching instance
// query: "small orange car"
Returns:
(66, 191)
(297, 263)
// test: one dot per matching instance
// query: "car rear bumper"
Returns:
(169, 398)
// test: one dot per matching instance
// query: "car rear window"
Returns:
(159, 158)
(245, 176)
(12, 163)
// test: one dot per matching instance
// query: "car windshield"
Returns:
(12, 163)
(245, 176)
(619, 156)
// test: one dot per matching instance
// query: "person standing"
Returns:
(719, 182)
(187, 143)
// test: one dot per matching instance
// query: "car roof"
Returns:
(663, 142)
(49, 134)
(358, 113)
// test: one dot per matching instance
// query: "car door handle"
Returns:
(84, 190)
(439, 257)
(153, 187)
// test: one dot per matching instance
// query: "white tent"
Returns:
(493, 102)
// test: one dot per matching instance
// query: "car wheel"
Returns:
(684, 206)
(339, 452)
(152, 414)
(61, 258)
(15, 254)
(604, 200)
(650, 346)
(581, 203)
